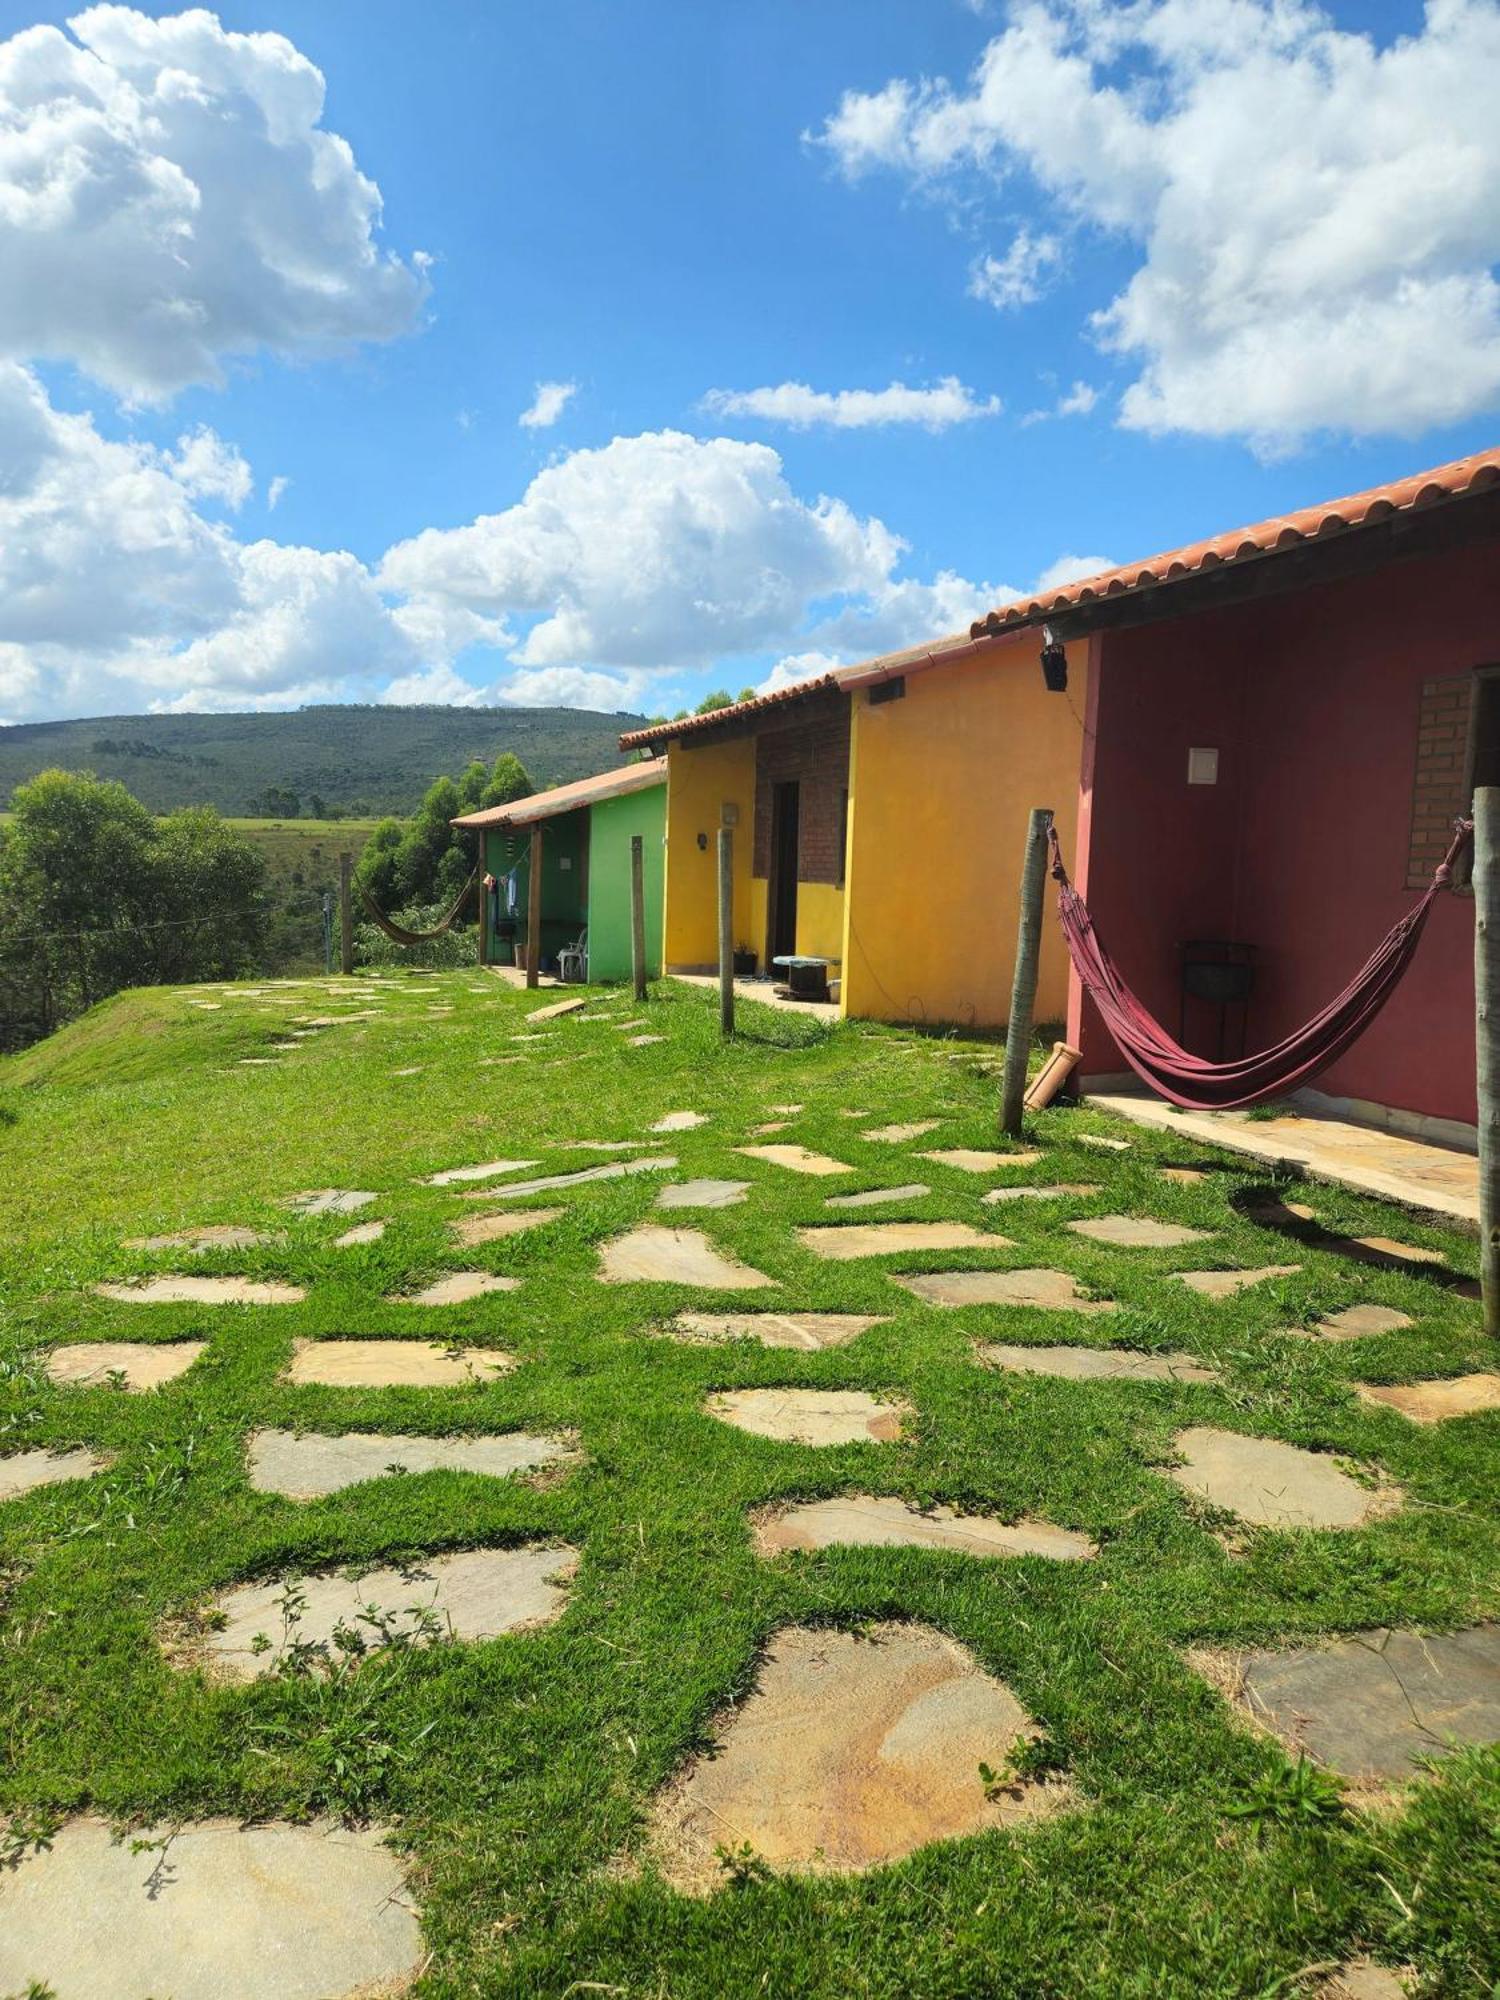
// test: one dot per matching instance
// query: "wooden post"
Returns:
(484, 903)
(346, 911)
(534, 907)
(726, 930)
(638, 915)
(1487, 1041)
(1023, 986)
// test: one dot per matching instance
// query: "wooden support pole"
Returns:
(484, 904)
(534, 907)
(1023, 985)
(1487, 1041)
(726, 930)
(346, 911)
(638, 915)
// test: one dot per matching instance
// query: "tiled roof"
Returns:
(568, 798)
(1284, 532)
(690, 725)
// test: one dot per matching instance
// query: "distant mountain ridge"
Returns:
(361, 760)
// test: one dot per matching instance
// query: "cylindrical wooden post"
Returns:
(346, 911)
(534, 907)
(726, 930)
(1023, 986)
(484, 904)
(1487, 1041)
(638, 915)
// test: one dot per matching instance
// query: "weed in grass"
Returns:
(1297, 1794)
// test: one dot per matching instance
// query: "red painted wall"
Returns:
(1301, 847)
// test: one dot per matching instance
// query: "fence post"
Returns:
(1487, 1041)
(346, 911)
(1023, 986)
(534, 907)
(638, 915)
(726, 930)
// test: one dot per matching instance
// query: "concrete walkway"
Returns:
(764, 993)
(1416, 1172)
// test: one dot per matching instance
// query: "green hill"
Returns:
(362, 761)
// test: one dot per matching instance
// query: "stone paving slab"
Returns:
(1058, 1192)
(643, 1041)
(92, 1364)
(1352, 1323)
(222, 1912)
(331, 1201)
(1372, 1704)
(474, 1229)
(1101, 1144)
(614, 1170)
(1436, 1401)
(176, 1290)
(849, 1753)
(970, 1161)
(1274, 1485)
(651, 1254)
(213, 1236)
(558, 1008)
(308, 1465)
(893, 1135)
(680, 1121)
(457, 1289)
(393, 1364)
(808, 1331)
(24, 1471)
(810, 1416)
(1052, 1291)
(863, 1520)
(362, 1232)
(1363, 1979)
(1138, 1232)
(1097, 1364)
(844, 1241)
(1186, 1176)
(703, 1194)
(488, 1170)
(1224, 1284)
(771, 1125)
(878, 1197)
(475, 1594)
(797, 1159)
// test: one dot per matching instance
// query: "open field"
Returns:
(520, 1777)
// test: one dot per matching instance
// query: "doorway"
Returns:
(781, 890)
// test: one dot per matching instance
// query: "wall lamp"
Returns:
(1054, 662)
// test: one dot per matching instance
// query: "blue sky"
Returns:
(1293, 230)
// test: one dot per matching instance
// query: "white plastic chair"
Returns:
(573, 962)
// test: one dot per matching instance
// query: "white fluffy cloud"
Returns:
(1020, 277)
(1318, 217)
(946, 402)
(546, 406)
(169, 199)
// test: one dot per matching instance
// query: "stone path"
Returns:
(475, 1594)
(1053, 1291)
(1097, 1364)
(680, 1121)
(850, 1752)
(797, 1159)
(1138, 1232)
(878, 1197)
(844, 1241)
(1101, 1144)
(1224, 1284)
(651, 1254)
(1274, 1485)
(893, 1135)
(331, 1201)
(968, 1161)
(558, 1008)
(1436, 1401)
(94, 1364)
(490, 1170)
(808, 1331)
(1371, 1705)
(219, 1912)
(215, 1236)
(24, 1471)
(393, 1364)
(1352, 1323)
(361, 1233)
(1054, 1193)
(474, 1229)
(643, 1041)
(810, 1416)
(614, 1170)
(703, 1194)
(861, 1520)
(177, 1290)
(308, 1465)
(457, 1289)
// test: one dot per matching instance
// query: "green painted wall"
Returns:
(614, 821)
(565, 866)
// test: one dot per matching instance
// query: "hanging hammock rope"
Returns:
(1199, 1085)
(395, 932)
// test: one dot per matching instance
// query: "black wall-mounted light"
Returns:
(1054, 662)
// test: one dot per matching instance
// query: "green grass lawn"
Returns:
(518, 1774)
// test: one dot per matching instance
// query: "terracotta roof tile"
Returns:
(568, 798)
(690, 725)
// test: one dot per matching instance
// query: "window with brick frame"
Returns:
(1458, 747)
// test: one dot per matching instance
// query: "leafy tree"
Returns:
(746, 694)
(471, 786)
(376, 867)
(509, 780)
(278, 802)
(720, 698)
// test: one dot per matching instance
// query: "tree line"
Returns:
(408, 866)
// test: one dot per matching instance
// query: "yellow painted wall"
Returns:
(820, 919)
(941, 783)
(700, 782)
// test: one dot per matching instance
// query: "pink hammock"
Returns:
(1198, 1085)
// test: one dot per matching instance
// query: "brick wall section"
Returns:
(813, 749)
(1438, 795)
